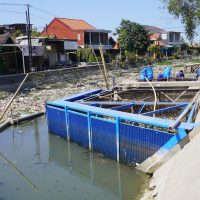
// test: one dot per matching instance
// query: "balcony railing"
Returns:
(97, 46)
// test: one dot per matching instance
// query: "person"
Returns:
(160, 76)
(180, 74)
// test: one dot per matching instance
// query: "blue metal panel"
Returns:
(81, 95)
(78, 128)
(56, 121)
(136, 103)
(164, 123)
(104, 138)
(191, 115)
(137, 143)
(164, 109)
(123, 106)
(141, 108)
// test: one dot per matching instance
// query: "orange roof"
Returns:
(76, 24)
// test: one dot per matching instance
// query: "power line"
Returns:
(12, 4)
(12, 11)
(48, 13)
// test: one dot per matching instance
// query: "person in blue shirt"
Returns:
(180, 74)
(160, 76)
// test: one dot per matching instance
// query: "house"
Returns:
(50, 52)
(164, 38)
(79, 30)
(10, 56)
(11, 28)
(6, 39)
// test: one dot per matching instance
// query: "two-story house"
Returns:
(162, 37)
(76, 29)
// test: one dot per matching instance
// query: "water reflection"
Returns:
(121, 180)
(61, 170)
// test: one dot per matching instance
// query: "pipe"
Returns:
(25, 118)
(19, 120)
(4, 125)
(182, 115)
(155, 97)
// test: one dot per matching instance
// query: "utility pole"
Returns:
(29, 37)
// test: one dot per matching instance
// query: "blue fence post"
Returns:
(89, 129)
(117, 137)
(67, 122)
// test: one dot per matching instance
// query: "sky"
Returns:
(103, 14)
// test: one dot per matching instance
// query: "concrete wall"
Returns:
(11, 82)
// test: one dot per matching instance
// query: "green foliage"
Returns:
(189, 13)
(164, 63)
(35, 32)
(154, 49)
(133, 37)
(85, 55)
(16, 34)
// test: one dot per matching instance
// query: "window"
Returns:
(79, 37)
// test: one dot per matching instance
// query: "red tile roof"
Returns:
(76, 24)
(154, 29)
(155, 36)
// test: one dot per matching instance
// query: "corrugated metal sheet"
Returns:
(57, 121)
(137, 143)
(78, 129)
(104, 138)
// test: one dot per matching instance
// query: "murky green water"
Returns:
(38, 165)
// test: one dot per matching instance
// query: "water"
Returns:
(38, 165)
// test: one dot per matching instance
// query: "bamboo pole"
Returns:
(14, 97)
(98, 62)
(104, 65)
(102, 71)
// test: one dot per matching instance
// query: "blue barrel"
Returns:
(143, 74)
(150, 73)
(167, 72)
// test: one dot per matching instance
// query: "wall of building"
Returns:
(61, 31)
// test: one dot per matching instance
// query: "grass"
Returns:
(164, 63)
(195, 61)
(179, 66)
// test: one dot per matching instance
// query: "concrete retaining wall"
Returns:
(11, 82)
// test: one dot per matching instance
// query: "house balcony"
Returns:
(175, 43)
(96, 46)
(95, 38)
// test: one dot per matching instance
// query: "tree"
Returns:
(189, 13)
(16, 34)
(133, 37)
(35, 32)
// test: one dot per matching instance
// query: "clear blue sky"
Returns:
(103, 14)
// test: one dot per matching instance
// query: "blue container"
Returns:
(143, 74)
(167, 72)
